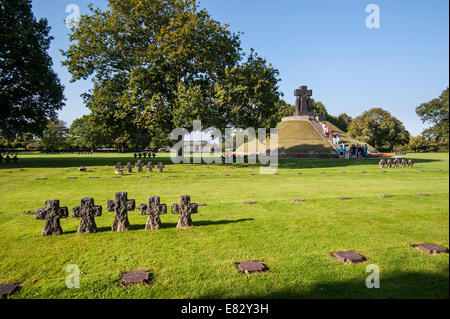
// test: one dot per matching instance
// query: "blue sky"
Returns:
(324, 44)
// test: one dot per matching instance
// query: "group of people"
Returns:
(353, 151)
(333, 137)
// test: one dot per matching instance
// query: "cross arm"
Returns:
(163, 209)
(63, 212)
(76, 212)
(131, 204)
(40, 213)
(175, 209)
(143, 209)
(97, 211)
(110, 205)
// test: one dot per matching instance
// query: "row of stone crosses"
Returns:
(8, 158)
(87, 211)
(119, 168)
(396, 163)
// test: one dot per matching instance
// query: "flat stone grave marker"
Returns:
(200, 175)
(7, 289)
(173, 176)
(363, 172)
(422, 195)
(248, 267)
(321, 173)
(343, 198)
(136, 277)
(145, 176)
(250, 202)
(432, 249)
(276, 174)
(347, 257)
(94, 177)
(116, 177)
(226, 175)
(298, 200)
(298, 173)
(41, 179)
(72, 177)
(384, 196)
(251, 174)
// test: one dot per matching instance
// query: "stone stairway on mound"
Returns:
(318, 126)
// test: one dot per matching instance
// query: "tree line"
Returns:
(157, 65)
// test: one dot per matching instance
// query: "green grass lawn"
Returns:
(294, 239)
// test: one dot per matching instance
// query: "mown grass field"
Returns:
(294, 239)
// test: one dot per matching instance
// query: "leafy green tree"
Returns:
(161, 64)
(30, 91)
(435, 112)
(85, 134)
(379, 128)
(55, 136)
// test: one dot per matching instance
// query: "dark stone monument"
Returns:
(346, 257)
(389, 163)
(87, 212)
(139, 166)
(248, 267)
(432, 249)
(160, 167)
(184, 209)
(129, 167)
(51, 214)
(302, 102)
(120, 206)
(153, 209)
(136, 277)
(404, 163)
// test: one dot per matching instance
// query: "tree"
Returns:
(379, 128)
(84, 133)
(435, 112)
(54, 137)
(30, 91)
(160, 64)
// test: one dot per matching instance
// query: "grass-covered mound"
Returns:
(296, 137)
(293, 239)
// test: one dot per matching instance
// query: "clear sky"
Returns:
(323, 44)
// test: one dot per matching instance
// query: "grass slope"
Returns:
(294, 239)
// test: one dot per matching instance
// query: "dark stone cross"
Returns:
(121, 205)
(382, 163)
(51, 214)
(150, 167)
(184, 209)
(389, 163)
(139, 166)
(160, 167)
(118, 166)
(410, 163)
(404, 163)
(302, 103)
(129, 167)
(87, 212)
(396, 163)
(153, 209)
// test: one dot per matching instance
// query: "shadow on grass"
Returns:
(392, 286)
(42, 160)
(172, 225)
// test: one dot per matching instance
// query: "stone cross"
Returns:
(150, 167)
(160, 167)
(139, 166)
(382, 163)
(51, 214)
(396, 162)
(302, 103)
(87, 212)
(129, 167)
(184, 209)
(153, 209)
(411, 163)
(118, 166)
(389, 163)
(404, 163)
(121, 205)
